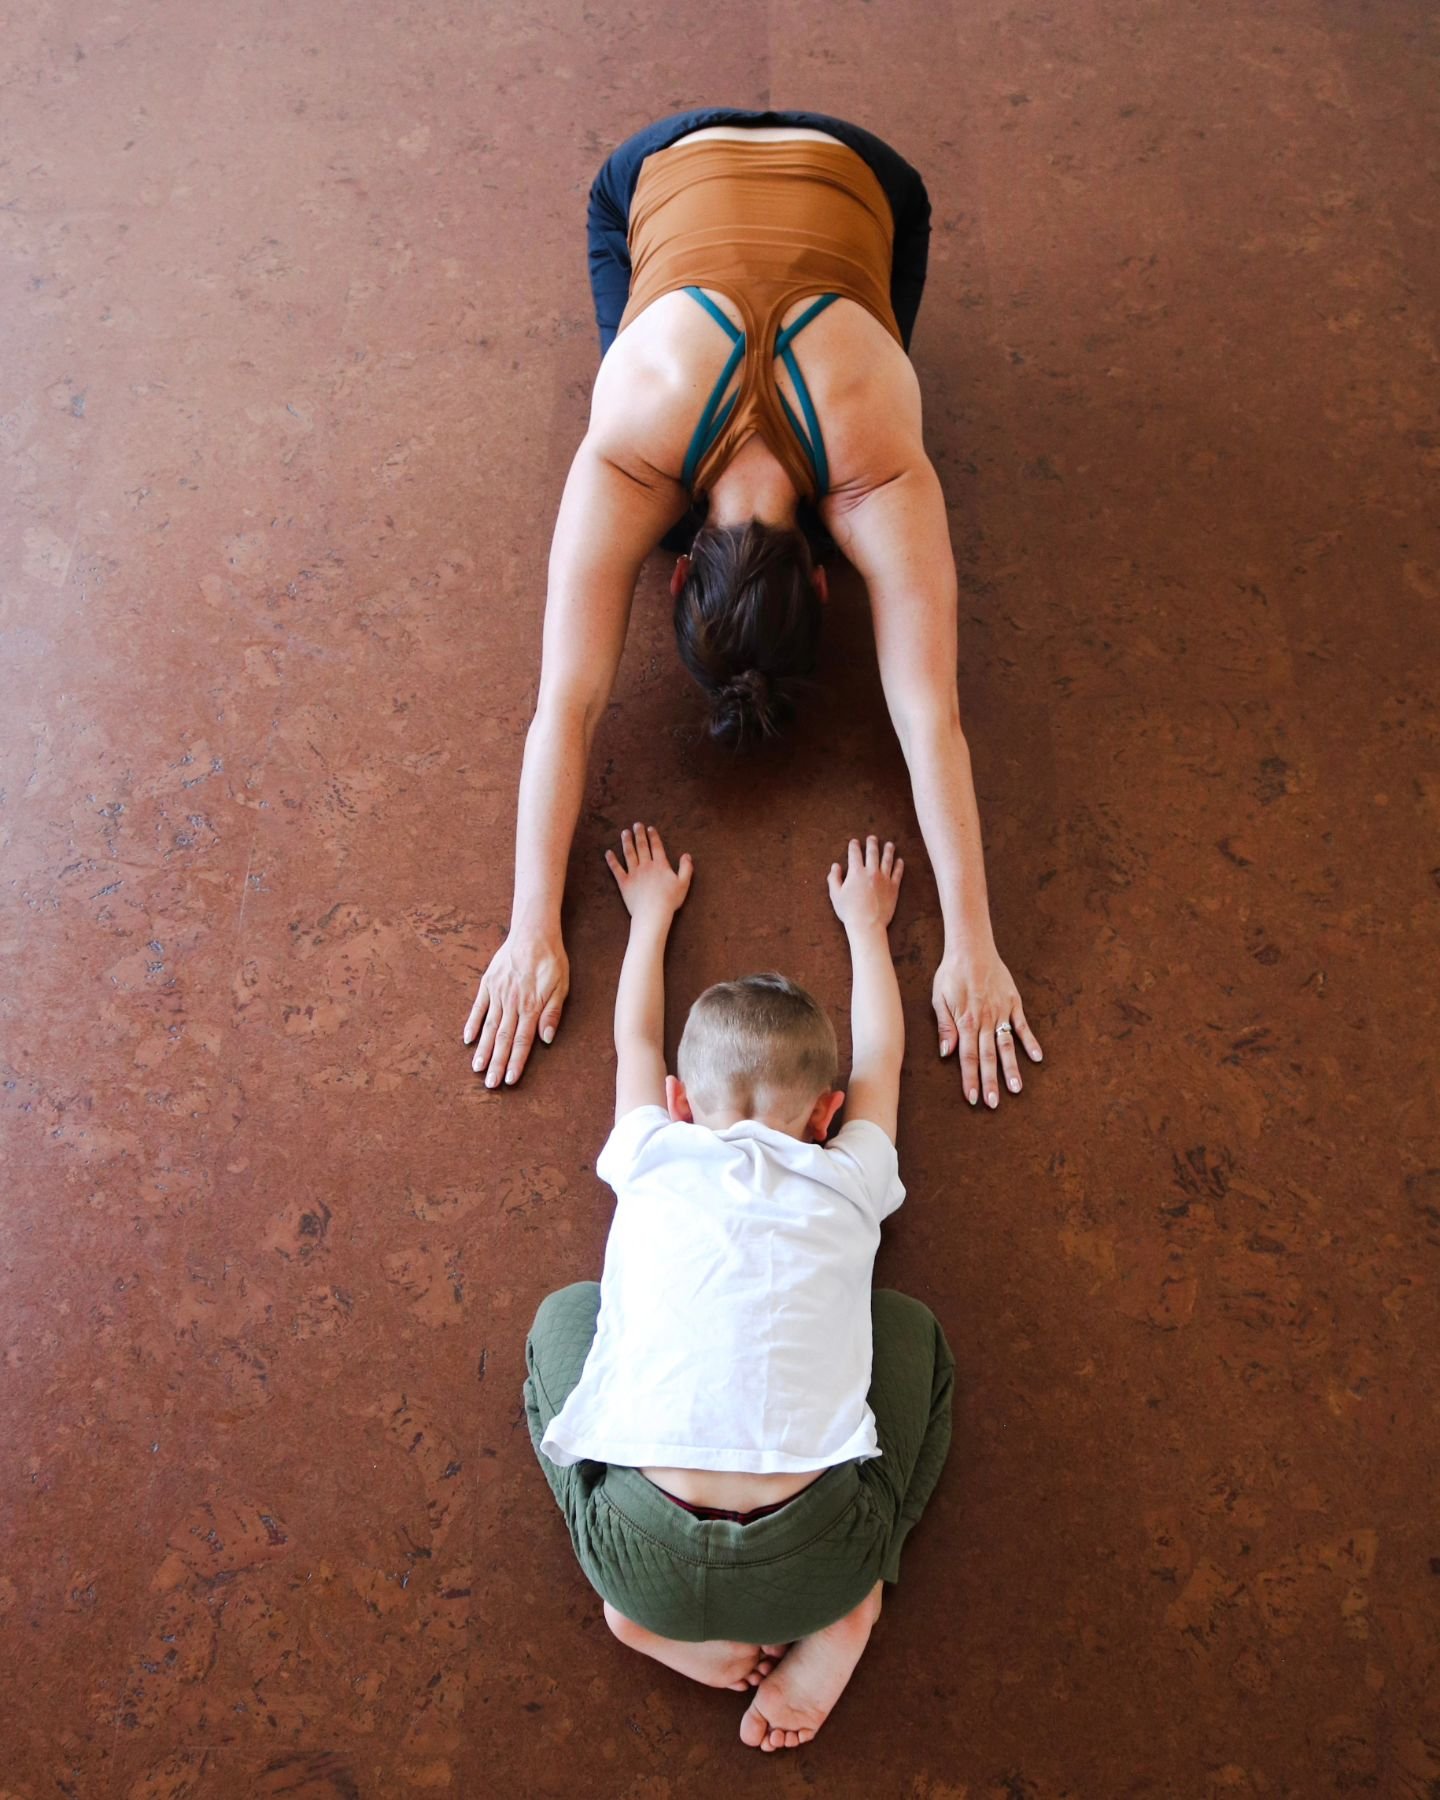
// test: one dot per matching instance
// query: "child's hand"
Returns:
(650, 888)
(866, 894)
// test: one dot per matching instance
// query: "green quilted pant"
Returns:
(779, 1577)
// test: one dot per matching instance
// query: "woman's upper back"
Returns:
(754, 230)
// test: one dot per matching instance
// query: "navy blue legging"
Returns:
(614, 189)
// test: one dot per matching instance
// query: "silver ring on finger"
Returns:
(1004, 1029)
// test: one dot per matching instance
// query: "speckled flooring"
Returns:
(296, 350)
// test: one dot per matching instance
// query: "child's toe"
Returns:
(754, 1727)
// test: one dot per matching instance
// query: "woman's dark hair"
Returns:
(747, 621)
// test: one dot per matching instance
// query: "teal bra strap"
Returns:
(810, 312)
(735, 336)
(712, 424)
(811, 440)
(709, 425)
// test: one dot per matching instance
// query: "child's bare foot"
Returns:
(718, 1662)
(792, 1704)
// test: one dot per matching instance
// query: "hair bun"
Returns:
(750, 705)
(751, 687)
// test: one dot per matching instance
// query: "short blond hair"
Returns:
(754, 1043)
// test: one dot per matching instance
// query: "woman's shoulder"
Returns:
(864, 390)
(651, 388)
(874, 431)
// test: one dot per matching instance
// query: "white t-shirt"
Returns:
(734, 1328)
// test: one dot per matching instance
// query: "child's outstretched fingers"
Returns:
(648, 883)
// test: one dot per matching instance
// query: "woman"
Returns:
(718, 237)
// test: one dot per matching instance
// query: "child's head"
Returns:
(758, 1048)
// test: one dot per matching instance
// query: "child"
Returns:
(742, 1438)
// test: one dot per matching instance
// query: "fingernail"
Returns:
(511, 1079)
(945, 1046)
(489, 1081)
(993, 1098)
(548, 1034)
(973, 1096)
(1014, 1084)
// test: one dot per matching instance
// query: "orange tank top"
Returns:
(766, 224)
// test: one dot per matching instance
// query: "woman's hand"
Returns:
(978, 1008)
(521, 992)
(650, 888)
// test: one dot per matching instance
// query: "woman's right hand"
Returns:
(522, 992)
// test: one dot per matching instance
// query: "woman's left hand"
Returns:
(978, 1008)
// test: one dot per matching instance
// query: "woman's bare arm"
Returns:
(609, 519)
(898, 536)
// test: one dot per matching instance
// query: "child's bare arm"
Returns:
(864, 899)
(653, 893)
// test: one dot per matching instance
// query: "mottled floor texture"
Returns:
(296, 350)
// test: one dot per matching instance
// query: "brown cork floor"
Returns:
(296, 350)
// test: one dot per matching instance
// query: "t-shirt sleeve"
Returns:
(863, 1148)
(626, 1143)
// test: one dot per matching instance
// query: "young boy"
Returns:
(743, 1436)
